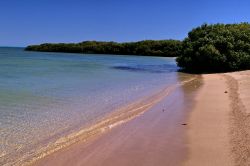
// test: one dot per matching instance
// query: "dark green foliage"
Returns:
(208, 48)
(168, 48)
(216, 48)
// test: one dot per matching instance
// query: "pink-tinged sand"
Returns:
(155, 138)
(203, 123)
(209, 129)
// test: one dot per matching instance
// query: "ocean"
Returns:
(50, 99)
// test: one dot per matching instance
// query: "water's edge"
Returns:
(101, 126)
(51, 100)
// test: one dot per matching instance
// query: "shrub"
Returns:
(216, 48)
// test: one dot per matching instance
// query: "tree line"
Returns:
(207, 48)
(169, 48)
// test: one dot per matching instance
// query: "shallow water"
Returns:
(46, 96)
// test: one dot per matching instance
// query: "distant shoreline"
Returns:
(162, 48)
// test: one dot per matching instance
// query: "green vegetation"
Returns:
(208, 48)
(216, 48)
(169, 48)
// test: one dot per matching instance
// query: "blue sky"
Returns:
(24, 22)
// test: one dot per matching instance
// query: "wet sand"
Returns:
(154, 138)
(206, 125)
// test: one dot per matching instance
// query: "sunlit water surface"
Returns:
(49, 95)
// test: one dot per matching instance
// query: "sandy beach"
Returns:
(125, 83)
(204, 122)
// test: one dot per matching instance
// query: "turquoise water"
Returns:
(45, 96)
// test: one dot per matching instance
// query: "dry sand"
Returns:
(219, 131)
(207, 126)
(208, 132)
(239, 86)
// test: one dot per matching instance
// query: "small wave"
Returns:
(117, 118)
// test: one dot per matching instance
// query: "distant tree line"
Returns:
(208, 48)
(216, 48)
(168, 48)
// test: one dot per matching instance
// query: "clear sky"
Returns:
(24, 22)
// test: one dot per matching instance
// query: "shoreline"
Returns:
(204, 125)
(129, 140)
(101, 127)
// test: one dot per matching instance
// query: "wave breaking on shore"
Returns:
(118, 117)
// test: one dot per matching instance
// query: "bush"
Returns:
(216, 48)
